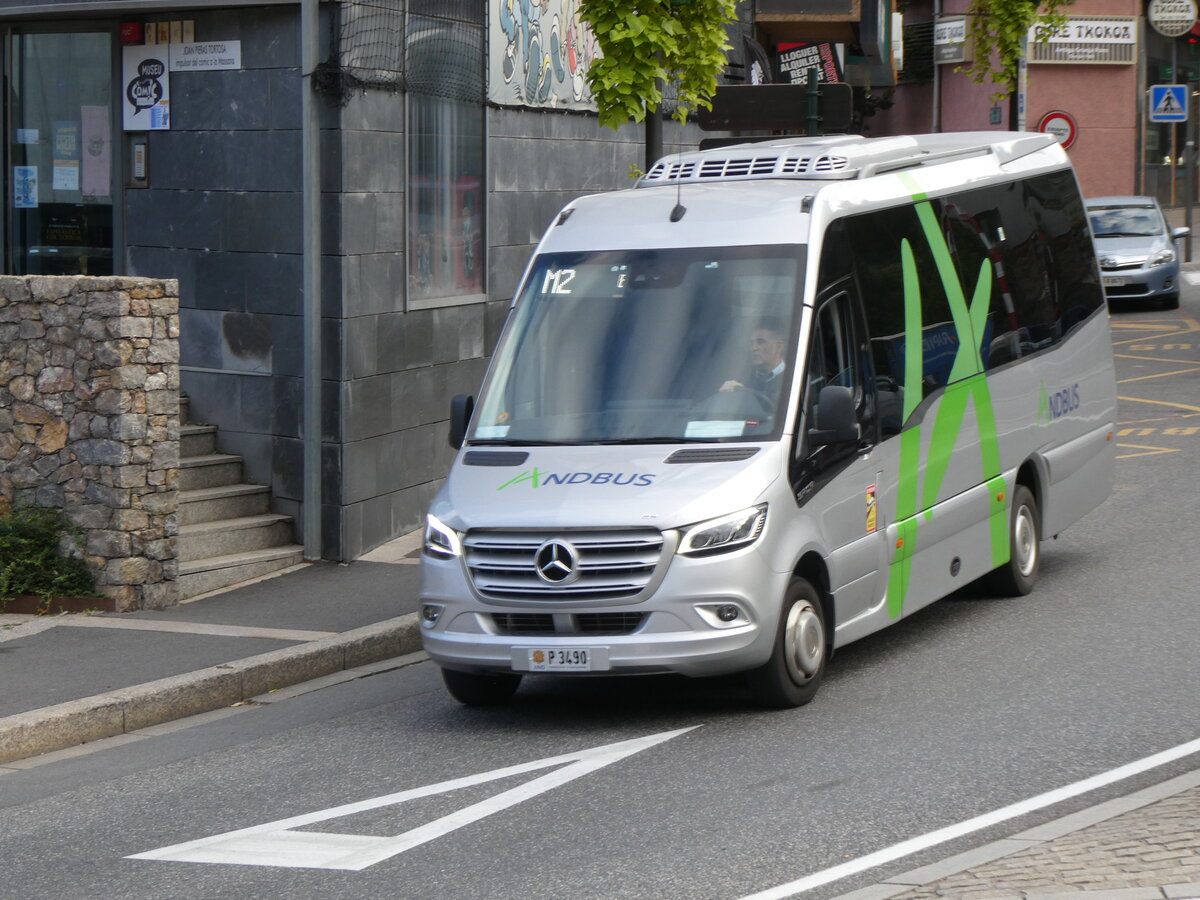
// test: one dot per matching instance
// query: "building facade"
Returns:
(168, 138)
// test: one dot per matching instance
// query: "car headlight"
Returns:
(441, 541)
(726, 533)
(1162, 257)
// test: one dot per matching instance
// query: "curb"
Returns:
(926, 876)
(142, 705)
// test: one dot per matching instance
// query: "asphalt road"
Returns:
(966, 707)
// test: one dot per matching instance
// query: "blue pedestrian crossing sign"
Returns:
(1168, 103)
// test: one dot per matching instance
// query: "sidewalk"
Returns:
(74, 679)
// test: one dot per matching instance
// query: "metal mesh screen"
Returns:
(444, 58)
(368, 47)
(438, 53)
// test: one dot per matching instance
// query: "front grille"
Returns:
(613, 565)
(524, 623)
(1127, 290)
(533, 624)
(1117, 263)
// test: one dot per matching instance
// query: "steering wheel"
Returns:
(739, 403)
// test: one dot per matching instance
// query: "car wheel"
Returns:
(472, 689)
(1170, 301)
(1016, 577)
(791, 676)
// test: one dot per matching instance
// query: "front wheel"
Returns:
(1016, 577)
(791, 676)
(473, 689)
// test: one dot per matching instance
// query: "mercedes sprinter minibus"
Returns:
(774, 398)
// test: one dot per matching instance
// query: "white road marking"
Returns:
(950, 832)
(1192, 277)
(276, 844)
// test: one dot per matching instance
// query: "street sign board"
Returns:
(1168, 103)
(776, 107)
(1171, 18)
(1061, 125)
(950, 40)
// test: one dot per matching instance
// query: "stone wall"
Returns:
(89, 420)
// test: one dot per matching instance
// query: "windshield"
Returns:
(644, 346)
(1125, 221)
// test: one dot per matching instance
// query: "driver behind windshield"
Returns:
(765, 373)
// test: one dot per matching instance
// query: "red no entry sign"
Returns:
(1061, 125)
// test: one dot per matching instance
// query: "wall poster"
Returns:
(146, 88)
(538, 55)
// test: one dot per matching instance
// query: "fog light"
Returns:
(723, 615)
(430, 613)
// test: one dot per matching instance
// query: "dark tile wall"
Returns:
(223, 215)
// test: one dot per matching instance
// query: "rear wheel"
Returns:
(1016, 577)
(473, 689)
(792, 675)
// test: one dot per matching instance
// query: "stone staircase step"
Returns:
(201, 576)
(230, 501)
(197, 440)
(226, 536)
(209, 470)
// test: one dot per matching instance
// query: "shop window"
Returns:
(60, 209)
(446, 186)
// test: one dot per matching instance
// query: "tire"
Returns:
(471, 689)
(1170, 301)
(791, 676)
(1017, 576)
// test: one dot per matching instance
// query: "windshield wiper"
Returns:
(657, 440)
(505, 442)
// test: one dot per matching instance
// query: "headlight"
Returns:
(1162, 257)
(441, 541)
(726, 533)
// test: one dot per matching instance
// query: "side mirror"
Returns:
(461, 408)
(837, 421)
(1177, 233)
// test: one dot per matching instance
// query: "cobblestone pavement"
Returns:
(1145, 846)
(1155, 846)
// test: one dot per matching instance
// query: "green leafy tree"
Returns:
(998, 30)
(650, 43)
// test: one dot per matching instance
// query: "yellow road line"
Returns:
(1149, 358)
(1129, 423)
(1137, 326)
(1150, 451)
(1160, 403)
(1160, 375)
(1192, 326)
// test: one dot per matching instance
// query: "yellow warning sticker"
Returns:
(871, 509)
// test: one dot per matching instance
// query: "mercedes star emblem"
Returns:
(556, 562)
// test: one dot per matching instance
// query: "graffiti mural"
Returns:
(539, 53)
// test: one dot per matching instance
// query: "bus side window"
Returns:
(838, 356)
